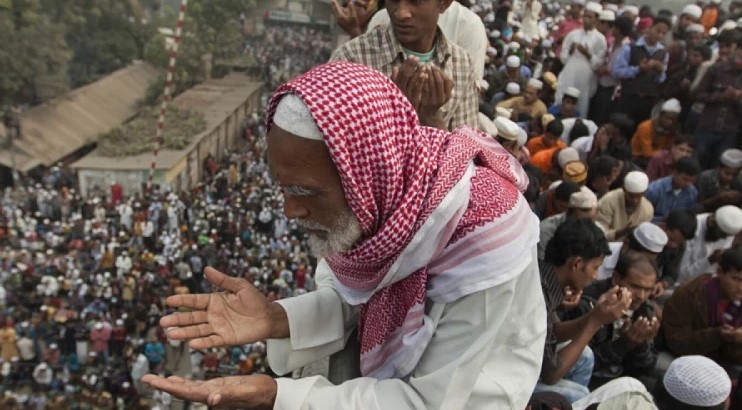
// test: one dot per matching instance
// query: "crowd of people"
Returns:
(626, 121)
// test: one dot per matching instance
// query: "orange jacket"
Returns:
(645, 142)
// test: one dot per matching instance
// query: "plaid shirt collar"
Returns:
(395, 52)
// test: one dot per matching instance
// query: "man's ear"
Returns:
(444, 5)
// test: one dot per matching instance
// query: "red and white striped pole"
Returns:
(167, 91)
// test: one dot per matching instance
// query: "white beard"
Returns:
(338, 239)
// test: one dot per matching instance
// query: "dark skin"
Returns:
(241, 314)
(731, 289)
(640, 281)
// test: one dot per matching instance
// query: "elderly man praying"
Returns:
(438, 275)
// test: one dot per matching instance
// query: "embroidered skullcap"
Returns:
(535, 83)
(607, 15)
(732, 158)
(695, 28)
(567, 155)
(572, 92)
(593, 7)
(729, 219)
(575, 171)
(546, 119)
(672, 105)
(503, 112)
(636, 182)
(513, 62)
(512, 88)
(697, 381)
(293, 116)
(486, 125)
(550, 79)
(583, 199)
(693, 11)
(506, 128)
(651, 237)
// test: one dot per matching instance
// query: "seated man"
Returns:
(703, 317)
(555, 201)
(656, 134)
(663, 163)
(715, 233)
(648, 239)
(676, 191)
(623, 209)
(722, 185)
(625, 347)
(680, 227)
(392, 214)
(527, 103)
(582, 204)
(499, 80)
(570, 263)
(568, 107)
(550, 139)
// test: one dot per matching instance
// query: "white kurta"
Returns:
(486, 351)
(531, 16)
(578, 71)
(697, 250)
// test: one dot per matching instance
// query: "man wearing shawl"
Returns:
(428, 248)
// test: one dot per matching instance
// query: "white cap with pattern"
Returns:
(697, 381)
(650, 236)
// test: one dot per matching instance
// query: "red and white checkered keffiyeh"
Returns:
(441, 213)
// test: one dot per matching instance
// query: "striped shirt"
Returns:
(553, 295)
(380, 50)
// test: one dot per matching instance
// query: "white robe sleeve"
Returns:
(566, 45)
(597, 51)
(486, 353)
(319, 324)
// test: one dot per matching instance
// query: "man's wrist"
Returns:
(279, 321)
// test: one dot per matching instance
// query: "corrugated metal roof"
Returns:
(216, 99)
(54, 130)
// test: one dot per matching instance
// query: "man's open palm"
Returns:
(237, 316)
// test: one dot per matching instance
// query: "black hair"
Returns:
(631, 259)
(688, 166)
(576, 237)
(661, 20)
(685, 139)
(664, 400)
(703, 50)
(626, 126)
(565, 190)
(535, 175)
(624, 25)
(602, 166)
(555, 127)
(683, 221)
(579, 129)
(729, 37)
(731, 259)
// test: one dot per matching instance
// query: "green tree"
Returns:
(34, 55)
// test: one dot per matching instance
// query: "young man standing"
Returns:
(436, 75)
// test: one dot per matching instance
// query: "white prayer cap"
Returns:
(546, 43)
(512, 88)
(489, 18)
(506, 128)
(729, 219)
(99, 326)
(594, 7)
(119, 322)
(125, 385)
(528, 39)
(636, 182)
(629, 9)
(612, 7)
(732, 158)
(514, 45)
(554, 185)
(728, 25)
(651, 237)
(697, 381)
(715, 1)
(492, 51)
(535, 83)
(513, 62)
(607, 15)
(567, 155)
(53, 346)
(739, 23)
(572, 92)
(293, 116)
(583, 199)
(503, 112)
(482, 84)
(495, 33)
(693, 11)
(486, 125)
(695, 28)
(672, 105)
(522, 137)
(43, 365)
(579, 2)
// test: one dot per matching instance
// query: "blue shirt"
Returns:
(524, 71)
(622, 70)
(664, 200)
(556, 111)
